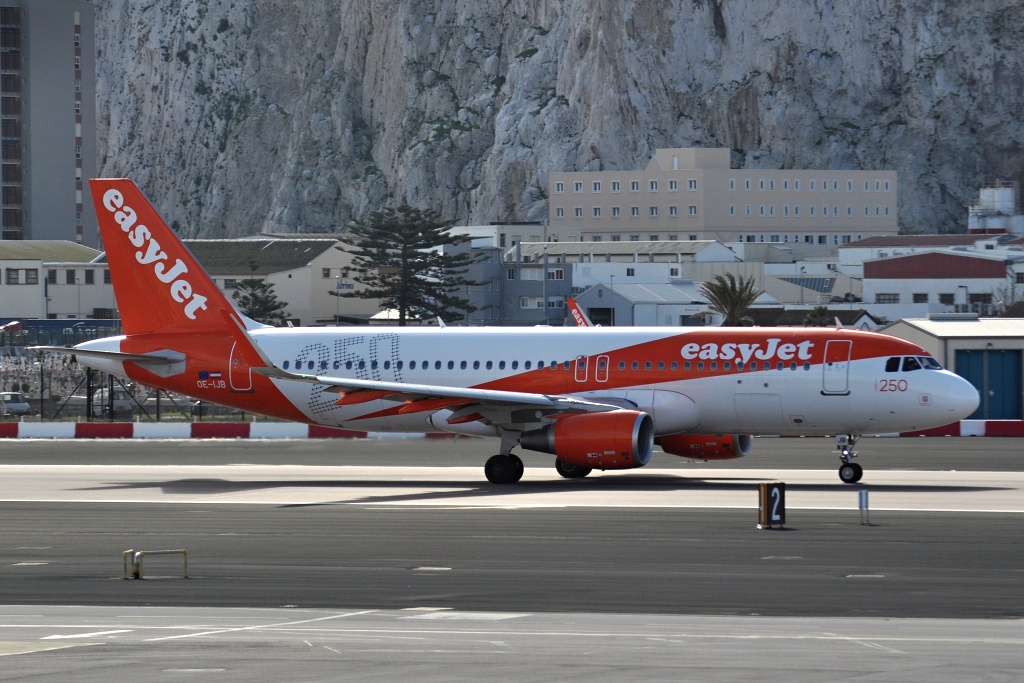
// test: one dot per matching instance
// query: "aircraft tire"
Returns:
(503, 469)
(570, 471)
(850, 472)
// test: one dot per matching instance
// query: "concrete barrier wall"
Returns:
(295, 430)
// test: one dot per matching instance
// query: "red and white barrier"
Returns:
(295, 430)
(184, 430)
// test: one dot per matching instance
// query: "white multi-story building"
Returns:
(694, 194)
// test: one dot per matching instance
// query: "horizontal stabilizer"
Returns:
(145, 359)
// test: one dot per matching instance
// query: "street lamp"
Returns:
(337, 298)
(78, 286)
(612, 292)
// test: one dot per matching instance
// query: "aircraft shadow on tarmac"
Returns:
(468, 489)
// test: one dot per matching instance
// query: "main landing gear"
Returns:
(504, 469)
(849, 472)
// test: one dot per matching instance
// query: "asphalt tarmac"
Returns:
(395, 558)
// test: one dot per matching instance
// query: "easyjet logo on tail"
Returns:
(150, 253)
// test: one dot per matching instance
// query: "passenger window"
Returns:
(687, 365)
(661, 365)
(348, 365)
(726, 365)
(526, 365)
(515, 365)
(501, 365)
(336, 365)
(714, 365)
(437, 365)
(387, 365)
(622, 365)
(753, 366)
(893, 364)
(412, 365)
(700, 365)
(565, 365)
(675, 365)
(476, 365)
(286, 365)
(362, 364)
(910, 363)
(398, 365)
(540, 365)
(490, 364)
(373, 365)
(647, 365)
(309, 365)
(462, 365)
(636, 365)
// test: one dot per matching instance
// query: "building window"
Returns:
(597, 186)
(761, 184)
(630, 272)
(556, 274)
(654, 212)
(597, 212)
(849, 186)
(634, 185)
(615, 186)
(654, 185)
(652, 238)
(1019, 278)
(577, 186)
(578, 212)
(771, 186)
(785, 209)
(595, 238)
(559, 188)
(615, 212)
(887, 185)
(106, 276)
(510, 273)
(812, 186)
(946, 299)
(559, 213)
(692, 209)
(90, 277)
(634, 211)
(673, 272)
(785, 185)
(32, 276)
(747, 183)
(732, 183)
(732, 209)
(12, 276)
(887, 298)
(673, 210)
(51, 276)
(920, 297)
(673, 185)
(691, 185)
(229, 283)
(796, 185)
(747, 209)
(634, 238)
(325, 272)
(70, 277)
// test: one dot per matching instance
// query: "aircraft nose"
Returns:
(963, 398)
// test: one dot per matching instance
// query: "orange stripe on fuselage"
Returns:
(754, 344)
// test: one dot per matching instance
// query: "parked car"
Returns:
(13, 403)
(122, 402)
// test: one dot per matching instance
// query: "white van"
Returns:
(122, 402)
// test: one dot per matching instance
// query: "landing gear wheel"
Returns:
(503, 469)
(850, 472)
(570, 471)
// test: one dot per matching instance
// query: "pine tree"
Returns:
(398, 256)
(256, 299)
(730, 297)
(818, 316)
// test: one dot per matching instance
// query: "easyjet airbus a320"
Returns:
(595, 398)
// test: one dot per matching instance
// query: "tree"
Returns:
(818, 316)
(398, 256)
(730, 298)
(257, 300)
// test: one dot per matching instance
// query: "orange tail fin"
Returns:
(159, 285)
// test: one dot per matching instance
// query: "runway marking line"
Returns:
(95, 634)
(262, 626)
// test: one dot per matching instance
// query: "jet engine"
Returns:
(616, 440)
(707, 446)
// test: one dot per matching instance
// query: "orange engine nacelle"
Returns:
(707, 446)
(617, 440)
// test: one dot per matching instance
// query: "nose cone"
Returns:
(961, 397)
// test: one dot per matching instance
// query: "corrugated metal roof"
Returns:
(536, 249)
(49, 251)
(248, 257)
(669, 293)
(982, 327)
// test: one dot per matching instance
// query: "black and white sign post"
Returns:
(771, 506)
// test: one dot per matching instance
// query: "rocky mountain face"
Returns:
(275, 115)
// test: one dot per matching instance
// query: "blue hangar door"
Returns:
(996, 375)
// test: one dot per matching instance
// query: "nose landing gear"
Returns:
(849, 472)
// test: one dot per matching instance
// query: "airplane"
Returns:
(594, 397)
(578, 316)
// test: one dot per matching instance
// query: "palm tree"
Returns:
(730, 298)
(818, 317)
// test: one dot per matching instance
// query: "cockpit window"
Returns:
(929, 363)
(893, 364)
(910, 363)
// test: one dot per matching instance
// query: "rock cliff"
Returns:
(277, 115)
